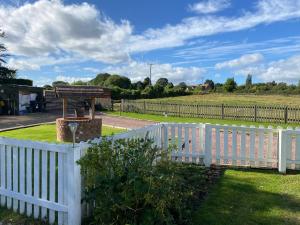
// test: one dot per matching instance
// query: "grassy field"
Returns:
(47, 133)
(170, 119)
(252, 197)
(292, 100)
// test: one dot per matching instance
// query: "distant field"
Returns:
(292, 100)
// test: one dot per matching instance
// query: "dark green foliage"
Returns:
(5, 72)
(248, 83)
(16, 81)
(80, 82)
(47, 87)
(162, 82)
(182, 85)
(147, 82)
(230, 85)
(59, 83)
(211, 84)
(100, 79)
(117, 81)
(130, 187)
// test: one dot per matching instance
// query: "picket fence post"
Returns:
(208, 143)
(282, 151)
(74, 186)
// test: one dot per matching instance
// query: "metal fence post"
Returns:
(286, 114)
(282, 151)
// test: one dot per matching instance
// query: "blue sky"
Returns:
(186, 40)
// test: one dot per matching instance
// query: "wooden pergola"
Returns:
(81, 92)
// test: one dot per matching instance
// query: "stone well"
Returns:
(87, 129)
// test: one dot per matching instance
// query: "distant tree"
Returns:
(5, 72)
(80, 82)
(170, 85)
(47, 87)
(210, 83)
(182, 85)
(146, 82)
(230, 85)
(118, 81)
(248, 83)
(138, 85)
(100, 79)
(162, 82)
(59, 83)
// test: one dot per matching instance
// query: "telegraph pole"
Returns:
(150, 67)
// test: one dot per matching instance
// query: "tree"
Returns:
(118, 81)
(210, 84)
(47, 87)
(182, 85)
(162, 82)
(248, 81)
(59, 83)
(5, 72)
(146, 82)
(100, 79)
(230, 85)
(80, 82)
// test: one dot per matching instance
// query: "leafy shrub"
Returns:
(130, 186)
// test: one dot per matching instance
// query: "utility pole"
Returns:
(150, 67)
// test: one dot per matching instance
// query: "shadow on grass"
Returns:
(252, 197)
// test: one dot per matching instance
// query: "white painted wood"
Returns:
(261, 138)
(186, 144)
(225, 157)
(166, 138)
(3, 173)
(234, 145)
(282, 151)
(60, 185)
(201, 138)
(194, 145)
(243, 146)
(44, 181)
(289, 140)
(36, 179)
(252, 145)
(297, 150)
(218, 145)
(270, 146)
(208, 145)
(15, 176)
(9, 174)
(29, 179)
(180, 152)
(52, 186)
(22, 178)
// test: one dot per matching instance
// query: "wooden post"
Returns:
(222, 111)
(65, 107)
(93, 109)
(144, 106)
(255, 113)
(286, 114)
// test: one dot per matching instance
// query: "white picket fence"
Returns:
(43, 180)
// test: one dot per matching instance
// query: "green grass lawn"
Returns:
(233, 99)
(48, 133)
(252, 197)
(170, 119)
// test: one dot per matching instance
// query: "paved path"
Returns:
(9, 122)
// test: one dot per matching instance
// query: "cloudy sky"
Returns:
(186, 40)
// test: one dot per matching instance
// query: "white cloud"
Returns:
(283, 70)
(139, 71)
(71, 79)
(266, 11)
(209, 6)
(50, 28)
(242, 61)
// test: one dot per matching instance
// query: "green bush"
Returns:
(130, 186)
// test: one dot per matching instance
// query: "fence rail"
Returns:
(43, 180)
(255, 113)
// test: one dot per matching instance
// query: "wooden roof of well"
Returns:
(76, 91)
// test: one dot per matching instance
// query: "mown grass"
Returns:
(12, 218)
(174, 119)
(252, 197)
(235, 99)
(47, 133)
